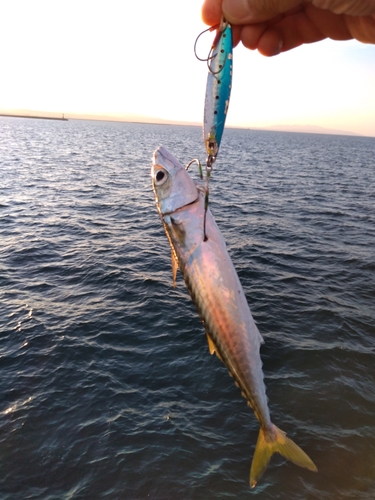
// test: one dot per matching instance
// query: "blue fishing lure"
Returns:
(219, 84)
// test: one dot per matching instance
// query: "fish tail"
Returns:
(275, 441)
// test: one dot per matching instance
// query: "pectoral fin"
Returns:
(174, 268)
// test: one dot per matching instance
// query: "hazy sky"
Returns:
(133, 57)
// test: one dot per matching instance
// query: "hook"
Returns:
(211, 28)
(220, 28)
(199, 167)
(208, 173)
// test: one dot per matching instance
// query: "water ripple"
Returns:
(108, 390)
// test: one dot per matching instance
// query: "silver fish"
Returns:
(219, 298)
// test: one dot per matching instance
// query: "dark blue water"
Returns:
(107, 387)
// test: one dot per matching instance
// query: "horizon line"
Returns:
(149, 120)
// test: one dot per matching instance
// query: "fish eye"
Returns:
(160, 177)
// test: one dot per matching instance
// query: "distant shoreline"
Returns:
(35, 116)
(295, 129)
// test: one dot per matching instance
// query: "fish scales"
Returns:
(214, 294)
(207, 310)
(219, 298)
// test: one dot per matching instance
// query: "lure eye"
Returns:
(160, 177)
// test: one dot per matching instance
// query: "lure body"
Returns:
(219, 83)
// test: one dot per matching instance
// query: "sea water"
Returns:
(108, 390)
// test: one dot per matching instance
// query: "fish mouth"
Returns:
(162, 156)
(165, 214)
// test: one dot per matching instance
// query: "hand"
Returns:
(274, 26)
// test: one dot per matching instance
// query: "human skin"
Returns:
(274, 26)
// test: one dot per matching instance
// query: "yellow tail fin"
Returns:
(276, 442)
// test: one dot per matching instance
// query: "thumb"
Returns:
(255, 11)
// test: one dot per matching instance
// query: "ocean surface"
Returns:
(107, 387)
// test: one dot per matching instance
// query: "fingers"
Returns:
(362, 28)
(244, 11)
(270, 43)
(307, 26)
(255, 11)
(236, 35)
(274, 26)
(349, 7)
(211, 12)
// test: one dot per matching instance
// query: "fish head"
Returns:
(172, 185)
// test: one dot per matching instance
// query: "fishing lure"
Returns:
(218, 88)
(219, 84)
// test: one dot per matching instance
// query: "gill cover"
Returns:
(173, 186)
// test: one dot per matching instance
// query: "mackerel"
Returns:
(217, 293)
